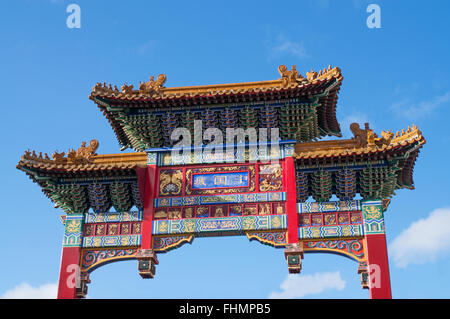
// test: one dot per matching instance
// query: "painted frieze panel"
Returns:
(239, 155)
(170, 182)
(214, 211)
(73, 230)
(330, 224)
(234, 224)
(334, 206)
(270, 177)
(329, 219)
(373, 217)
(111, 241)
(111, 234)
(330, 231)
(113, 217)
(219, 199)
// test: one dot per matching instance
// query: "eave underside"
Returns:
(341, 167)
(320, 91)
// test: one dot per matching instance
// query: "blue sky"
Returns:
(393, 77)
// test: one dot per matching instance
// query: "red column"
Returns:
(378, 267)
(376, 250)
(69, 273)
(147, 180)
(291, 200)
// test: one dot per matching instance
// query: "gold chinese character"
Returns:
(200, 181)
(220, 180)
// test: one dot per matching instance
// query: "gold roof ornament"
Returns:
(368, 138)
(364, 141)
(83, 155)
(289, 77)
(155, 88)
(152, 87)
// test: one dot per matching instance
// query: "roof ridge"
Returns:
(156, 89)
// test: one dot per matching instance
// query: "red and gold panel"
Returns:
(270, 177)
(222, 210)
(330, 219)
(112, 229)
(220, 179)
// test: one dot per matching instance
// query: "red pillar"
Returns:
(69, 273)
(291, 201)
(378, 267)
(147, 186)
(376, 250)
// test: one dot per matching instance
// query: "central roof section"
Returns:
(302, 107)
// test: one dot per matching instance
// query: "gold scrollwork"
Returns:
(170, 182)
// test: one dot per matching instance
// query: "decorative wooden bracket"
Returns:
(294, 255)
(146, 263)
(82, 290)
(362, 270)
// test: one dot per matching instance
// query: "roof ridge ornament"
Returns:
(326, 73)
(367, 138)
(289, 77)
(83, 155)
(152, 87)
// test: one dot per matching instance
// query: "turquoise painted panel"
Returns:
(220, 199)
(223, 224)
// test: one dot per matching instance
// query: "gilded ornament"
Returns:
(280, 209)
(248, 223)
(163, 226)
(276, 222)
(161, 214)
(73, 226)
(188, 212)
(372, 212)
(264, 209)
(170, 182)
(174, 214)
(289, 77)
(270, 177)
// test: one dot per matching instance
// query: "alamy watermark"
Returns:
(237, 140)
(73, 21)
(74, 279)
(374, 19)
